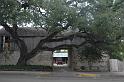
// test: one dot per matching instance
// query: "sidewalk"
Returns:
(24, 72)
(113, 74)
(66, 74)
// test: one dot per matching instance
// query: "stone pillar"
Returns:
(74, 59)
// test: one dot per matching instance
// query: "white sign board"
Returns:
(60, 54)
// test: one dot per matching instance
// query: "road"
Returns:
(39, 78)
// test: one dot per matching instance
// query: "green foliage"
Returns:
(117, 51)
(8, 9)
(102, 19)
(90, 54)
(107, 27)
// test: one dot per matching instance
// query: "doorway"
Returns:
(60, 58)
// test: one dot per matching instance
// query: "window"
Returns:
(7, 43)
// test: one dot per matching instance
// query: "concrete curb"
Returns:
(100, 74)
(86, 75)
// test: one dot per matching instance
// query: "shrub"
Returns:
(25, 68)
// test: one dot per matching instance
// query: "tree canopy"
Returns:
(100, 20)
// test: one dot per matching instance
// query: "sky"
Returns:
(24, 25)
(1, 27)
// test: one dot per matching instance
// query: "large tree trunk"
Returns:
(23, 53)
(22, 59)
(21, 44)
(25, 56)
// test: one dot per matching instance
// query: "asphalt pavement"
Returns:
(66, 74)
(38, 76)
(29, 76)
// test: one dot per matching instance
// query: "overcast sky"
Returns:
(1, 27)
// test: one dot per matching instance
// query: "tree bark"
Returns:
(23, 53)
(22, 59)
(21, 44)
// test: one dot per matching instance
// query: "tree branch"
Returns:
(40, 44)
(62, 46)
(21, 44)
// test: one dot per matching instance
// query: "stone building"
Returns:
(9, 52)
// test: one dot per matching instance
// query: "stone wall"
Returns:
(46, 58)
(9, 58)
(43, 58)
(77, 64)
(116, 65)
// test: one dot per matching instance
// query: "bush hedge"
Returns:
(25, 68)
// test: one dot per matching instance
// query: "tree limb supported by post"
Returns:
(62, 46)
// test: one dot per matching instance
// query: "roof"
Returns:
(26, 31)
(35, 32)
